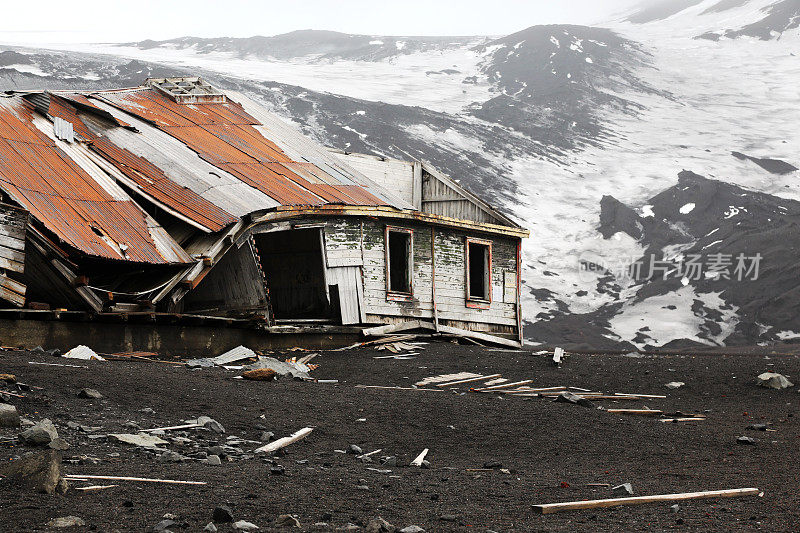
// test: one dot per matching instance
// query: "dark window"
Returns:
(398, 258)
(479, 261)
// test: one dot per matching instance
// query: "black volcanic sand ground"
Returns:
(541, 442)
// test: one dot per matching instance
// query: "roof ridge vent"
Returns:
(188, 90)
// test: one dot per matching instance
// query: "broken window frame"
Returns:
(395, 295)
(473, 301)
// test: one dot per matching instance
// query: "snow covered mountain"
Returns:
(596, 138)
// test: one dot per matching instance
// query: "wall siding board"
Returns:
(450, 278)
(235, 284)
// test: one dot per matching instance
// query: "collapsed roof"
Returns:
(162, 175)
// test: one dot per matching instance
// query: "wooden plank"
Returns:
(14, 232)
(641, 412)
(11, 295)
(128, 478)
(397, 388)
(12, 242)
(420, 458)
(12, 254)
(12, 285)
(394, 328)
(480, 336)
(505, 385)
(549, 508)
(285, 441)
(469, 380)
(347, 280)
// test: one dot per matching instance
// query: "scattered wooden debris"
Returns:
(380, 331)
(169, 428)
(420, 458)
(449, 377)
(637, 500)
(505, 385)
(558, 354)
(467, 380)
(93, 487)
(641, 412)
(285, 441)
(80, 477)
(56, 364)
(396, 388)
(682, 419)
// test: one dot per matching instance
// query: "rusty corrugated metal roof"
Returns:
(150, 179)
(223, 135)
(60, 194)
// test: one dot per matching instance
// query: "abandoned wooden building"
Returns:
(175, 199)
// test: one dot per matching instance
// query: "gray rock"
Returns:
(66, 521)
(448, 517)
(757, 427)
(40, 471)
(362, 487)
(243, 525)
(58, 444)
(172, 457)
(349, 527)
(355, 449)
(213, 460)
(210, 527)
(773, 380)
(571, 397)
(38, 350)
(266, 436)
(412, 529)
(287, 520)
(9, 417)
(389, 460)
(222, 514)
(40, 434)
(89, 393)
(164, 525)
(379, 525)
(745, 440)
(672, 385)
(675, 508)
(209, 423)
(622, 490)
(141, 439)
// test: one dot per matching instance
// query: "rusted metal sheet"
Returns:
(149, 179)
(38, 175)
(224, 135)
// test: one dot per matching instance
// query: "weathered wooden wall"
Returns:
(354, 264)
(439, 198)
(362, 242)
(234, 286)
(13, 222)
(403, 178)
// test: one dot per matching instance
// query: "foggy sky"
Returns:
(116, 21)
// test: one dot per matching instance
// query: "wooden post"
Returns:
(433, 279)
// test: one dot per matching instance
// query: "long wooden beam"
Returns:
(637, 500)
